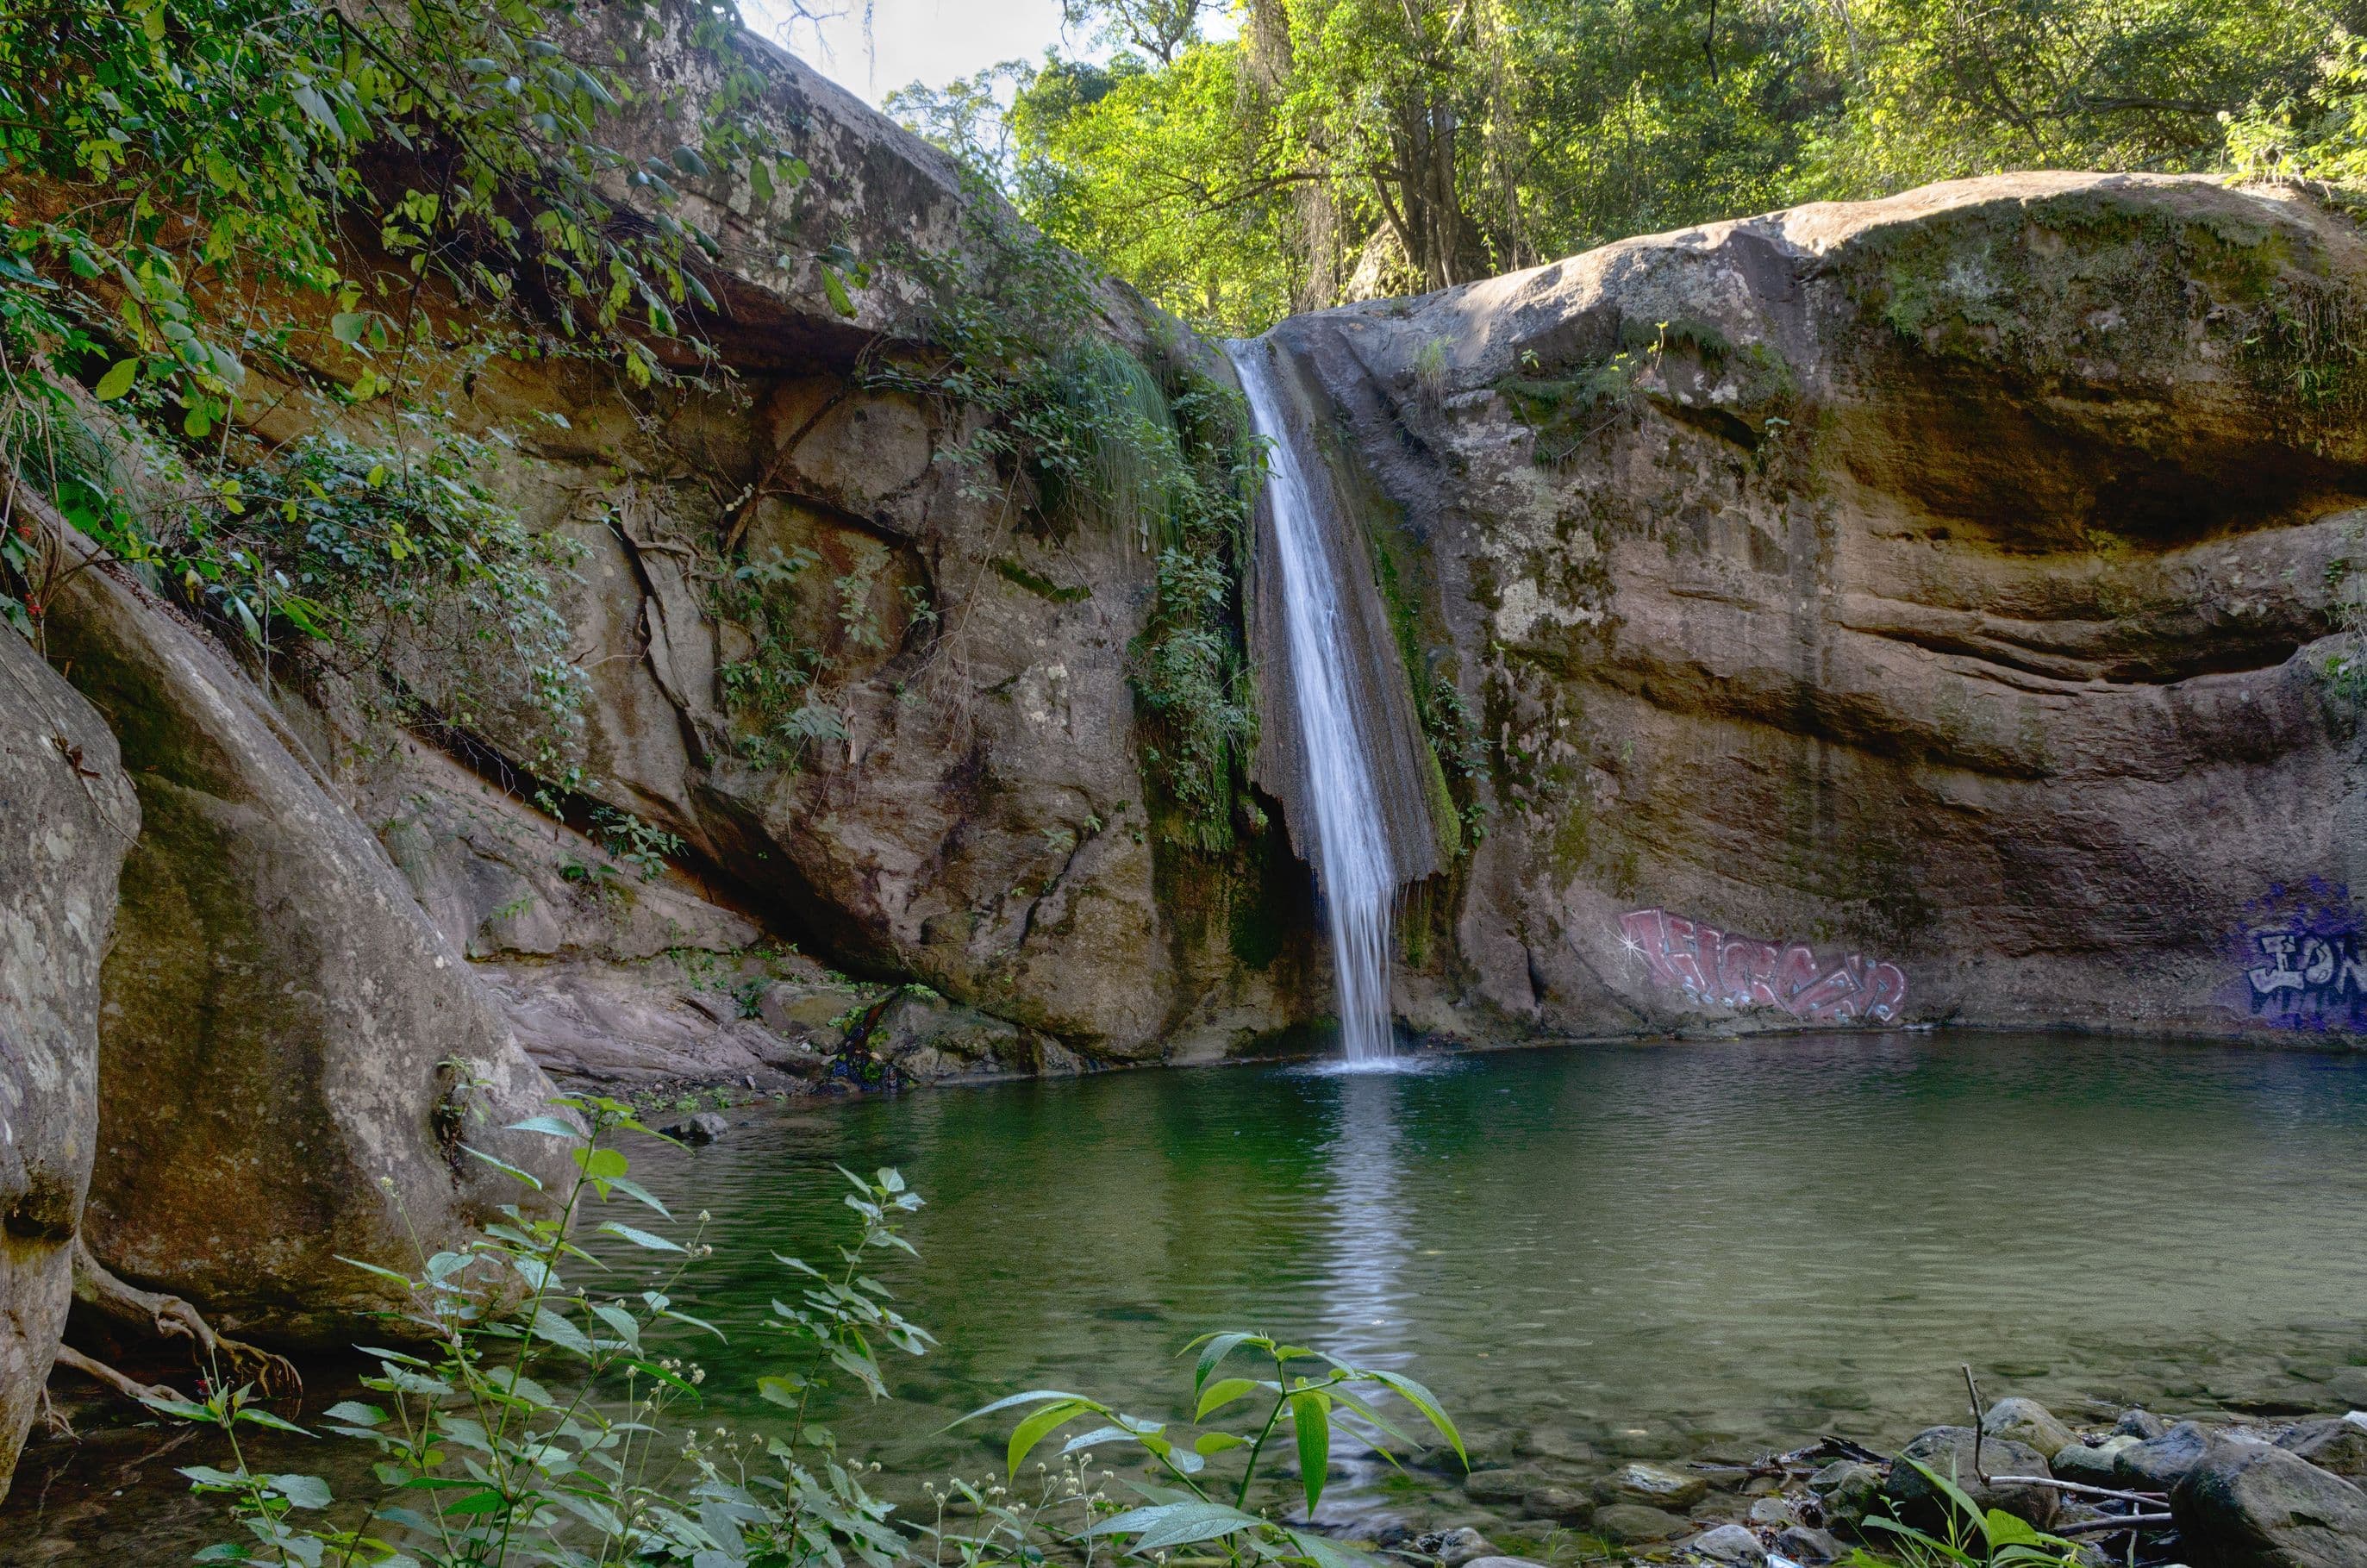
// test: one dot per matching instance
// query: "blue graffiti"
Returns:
(2304, 959)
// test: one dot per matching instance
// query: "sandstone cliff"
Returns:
(1922, 611)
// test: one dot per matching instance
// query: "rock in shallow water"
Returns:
(1558, 1502)
(2091, 1464)
(1730, 1543)
(2246, 1505)
(1802, 1544)
(1947, 1452)
(2160, 1463)
(2338, 1447)
(2027, 1421)
(1651, 1485)
(1457, 1548)
(2141, 1425)
(704, 1128)
(1634, 1524)
(2349, 1384)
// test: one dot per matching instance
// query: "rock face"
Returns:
(69, 817)
(283, 1025)
(1911, 611)
(2252, 1506)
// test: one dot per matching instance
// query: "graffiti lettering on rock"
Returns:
(2304, 958)
(1710, 966)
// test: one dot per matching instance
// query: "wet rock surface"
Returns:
(2252, 1505)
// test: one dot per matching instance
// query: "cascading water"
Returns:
(1350, 837)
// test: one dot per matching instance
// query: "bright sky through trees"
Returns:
(931, 41)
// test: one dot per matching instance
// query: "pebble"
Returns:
(1460, 1547)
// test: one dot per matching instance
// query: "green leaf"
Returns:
(2003, 1530)
(1217, 1346)
(601, 1164)
(780, 1391)
(503, 1167)
(1039, 1426)
(347, 327)
(1421, 1399)
(1212, 1443)
(1310, 1417)
(1032, 1396)
(1176, 1524)
(1221, 1393)
(353, 1414)
(553, 1125)
(835, 288)
(118, 379)
(263, 1417)
(1326, 1553)
(302, 1491)
(638, 1238)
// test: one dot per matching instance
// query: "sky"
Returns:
(925, 41)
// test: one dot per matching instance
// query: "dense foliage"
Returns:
(1321, 150)
(223, 220)
(546, 1412)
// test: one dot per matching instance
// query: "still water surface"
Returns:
(1587, 1251)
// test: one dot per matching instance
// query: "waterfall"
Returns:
(1348, 829)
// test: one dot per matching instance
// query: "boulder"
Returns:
(2141, 1425)
(1771, 1513)
(1851, 1490)
(926, 1038)
(2244, 1504)
(2026, 1421)
(1947, 1452)
(283, 1030)
(704, 1128)
(2159, 1463)
(2336, 1447)
(2349, 1384)
(1652, 1485)
(1730, 1543)
(67, 818)
(2092, 1463)
(1634, 1524)
(1802, 1544)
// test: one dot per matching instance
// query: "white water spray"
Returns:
(1350, 836)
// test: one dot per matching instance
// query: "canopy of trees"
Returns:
(1241, 159)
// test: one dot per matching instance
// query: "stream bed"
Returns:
(1591, 1252)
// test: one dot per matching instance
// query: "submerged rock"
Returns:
(1651, 1485)
(1635, 1523)
(1504, 1485)
(1558, 1503)
(2026, 1421)
(1947, 1452)
(2246, 1505)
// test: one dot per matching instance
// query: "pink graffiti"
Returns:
(1709, 966)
